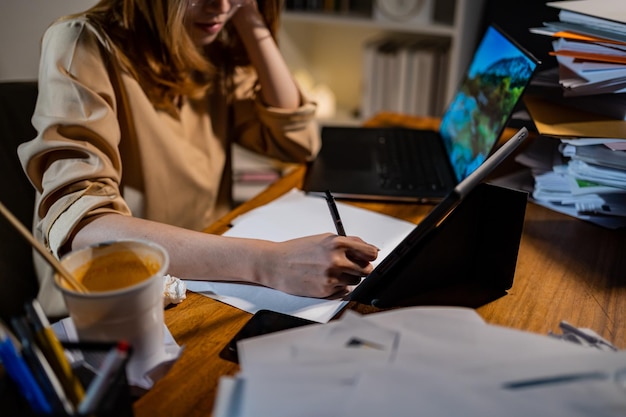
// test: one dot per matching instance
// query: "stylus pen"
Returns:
(335, 213)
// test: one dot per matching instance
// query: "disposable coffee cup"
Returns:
(124, 300)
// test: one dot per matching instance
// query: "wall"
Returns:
(516, 16)
(22, 23)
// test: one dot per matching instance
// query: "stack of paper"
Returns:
(253, 173)
(583, 177)
(430, 361)
(590, 47)
(582, 104)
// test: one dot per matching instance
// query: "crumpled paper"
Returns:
(174, 290)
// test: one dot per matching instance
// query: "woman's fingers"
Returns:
(349, 280)
(318, 266)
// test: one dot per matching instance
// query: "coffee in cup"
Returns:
(124, 301)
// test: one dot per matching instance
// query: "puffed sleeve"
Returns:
(74, 162)
(289, 135)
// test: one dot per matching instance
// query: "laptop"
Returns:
(484, 238)
(396, 163)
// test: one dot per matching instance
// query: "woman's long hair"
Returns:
(151, 42)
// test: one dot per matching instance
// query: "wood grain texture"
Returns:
(567, 269)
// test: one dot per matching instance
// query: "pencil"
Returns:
(41, 367)
(54, 353)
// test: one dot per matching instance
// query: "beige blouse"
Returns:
(172, 168)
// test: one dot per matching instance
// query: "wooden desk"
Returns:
(567, 269)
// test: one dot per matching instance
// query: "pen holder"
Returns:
(117, 400)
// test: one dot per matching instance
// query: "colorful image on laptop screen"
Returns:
(480, 110)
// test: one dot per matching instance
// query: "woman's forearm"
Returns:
(192, 254)
(278, 88)
(315, 266)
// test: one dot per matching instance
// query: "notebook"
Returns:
(396, 163)
(389, 274)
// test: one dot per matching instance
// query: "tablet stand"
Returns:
(468, 260)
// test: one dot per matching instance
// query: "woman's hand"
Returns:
(278, 89)
(317, 266)
(247, 9)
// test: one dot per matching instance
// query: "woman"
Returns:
(139, 101)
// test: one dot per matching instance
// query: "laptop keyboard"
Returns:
(406, 163)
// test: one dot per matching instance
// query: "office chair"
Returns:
(18, 281)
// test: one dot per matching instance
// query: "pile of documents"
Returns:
(579, 164)
(430, 361)
(253, 173)
(590, 47)
(582, 177)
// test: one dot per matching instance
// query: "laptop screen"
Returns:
(490, 89)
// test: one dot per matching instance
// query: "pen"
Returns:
(566, 327)
(41, 367)
(54, 353)
(557, 379)
(100, 384)
(18, 370)
(335, 213)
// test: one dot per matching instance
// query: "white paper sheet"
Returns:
(294, 215)
(453, 364)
